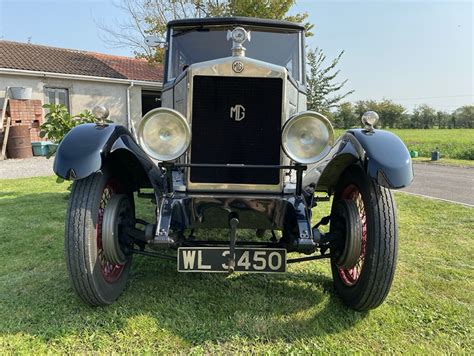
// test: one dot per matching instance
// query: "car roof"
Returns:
(253, 21)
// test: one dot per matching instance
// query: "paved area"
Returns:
(28, 167)
(450, 183)
(455, 184)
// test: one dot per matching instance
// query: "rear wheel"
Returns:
(95, 279)
(366, 283)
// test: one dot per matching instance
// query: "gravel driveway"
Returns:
(28, 167)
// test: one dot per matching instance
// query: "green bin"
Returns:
(40, 148)
(413, 154)
(52, 148)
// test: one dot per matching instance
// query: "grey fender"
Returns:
(88, 148)
(383, 155)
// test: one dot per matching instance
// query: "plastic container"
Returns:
(40, 148)
(413, 154)
(435, 155)
(21, 93)
(52, 147)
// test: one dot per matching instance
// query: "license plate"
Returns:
(216, 259)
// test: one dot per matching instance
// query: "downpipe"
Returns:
(129, 112)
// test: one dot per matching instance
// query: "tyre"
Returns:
(367, 283)
(94, 278)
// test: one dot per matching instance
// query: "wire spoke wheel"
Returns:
(96, 279)
(110, 271)
(350, 276)
(366, 284)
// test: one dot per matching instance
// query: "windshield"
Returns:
(190, 46)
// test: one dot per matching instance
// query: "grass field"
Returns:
(429, 309)
(453, 144)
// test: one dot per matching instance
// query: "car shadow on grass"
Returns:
(36, 297)
(288, 307)
(193, 308)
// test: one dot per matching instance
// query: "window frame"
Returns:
(57, 91)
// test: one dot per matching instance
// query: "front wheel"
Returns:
(95, 279)
(365, 285)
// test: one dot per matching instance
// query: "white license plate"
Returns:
(216, 259)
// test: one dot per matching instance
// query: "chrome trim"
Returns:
(253, 69)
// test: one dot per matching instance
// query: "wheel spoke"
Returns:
(351, 276)
(110, 272)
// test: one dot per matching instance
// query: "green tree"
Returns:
(442, 119)
(268, 9)
(424, 117)
(362, 106)
(345, 117)
(464, 117)
(323, 90)
(391, 114)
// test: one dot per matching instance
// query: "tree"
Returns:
(362, 106)
(322, 88)
(424, 117)
(464, 117)
(442, 119)
(149, 17)
(345, 117)
(392, 115)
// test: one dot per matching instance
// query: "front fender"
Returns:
(383, 155)
(86, 148)
(388, 159)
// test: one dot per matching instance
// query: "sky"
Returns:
(412, 52)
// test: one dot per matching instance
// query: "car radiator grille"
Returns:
(218, 138)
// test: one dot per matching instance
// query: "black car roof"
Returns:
(253, 21)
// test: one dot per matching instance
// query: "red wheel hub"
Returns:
(351, 276)
(110, 272)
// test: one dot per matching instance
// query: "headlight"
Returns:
(164, 134)
(307, 137)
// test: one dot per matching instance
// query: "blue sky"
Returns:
(413, 52)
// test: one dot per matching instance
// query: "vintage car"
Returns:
(233, 147)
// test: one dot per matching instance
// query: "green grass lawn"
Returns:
(452, 144)
(429, 309)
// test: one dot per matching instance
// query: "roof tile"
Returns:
(26, 56)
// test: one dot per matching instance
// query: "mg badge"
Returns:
(237, 112)
(238, 66)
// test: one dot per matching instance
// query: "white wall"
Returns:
(82, 94)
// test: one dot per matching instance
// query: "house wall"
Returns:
(83, 94)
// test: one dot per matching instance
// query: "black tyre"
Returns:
(95, 280)
(367, 283)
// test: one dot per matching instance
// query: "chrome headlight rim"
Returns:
(292, 121)
(150, 115)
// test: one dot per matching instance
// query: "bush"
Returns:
(467, 154)
(58, 122)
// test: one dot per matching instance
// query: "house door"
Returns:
(150, 100)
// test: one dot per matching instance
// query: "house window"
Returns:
(57, 96)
